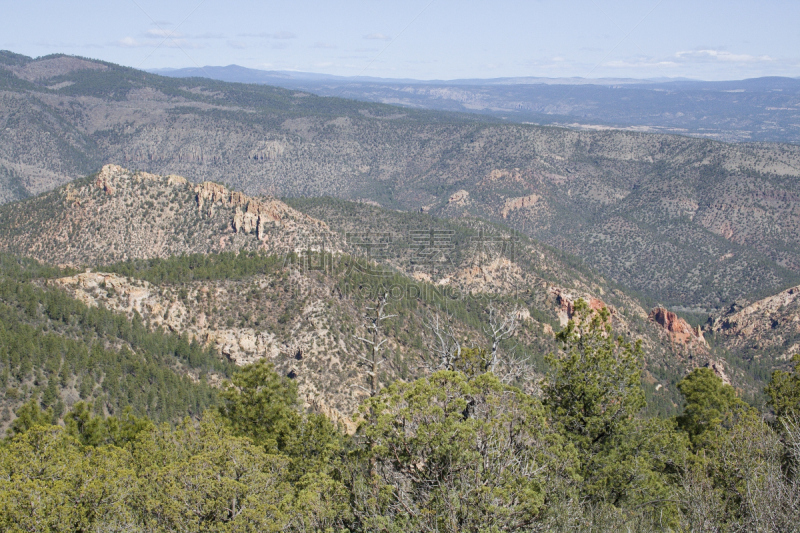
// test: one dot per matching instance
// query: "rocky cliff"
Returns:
(512, 204)
(679, 330)
(768, 328)
(119, 215)
(244, 322)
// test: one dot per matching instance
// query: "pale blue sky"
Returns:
(442, 39)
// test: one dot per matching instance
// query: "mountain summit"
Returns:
(118, 215)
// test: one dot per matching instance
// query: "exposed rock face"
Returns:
(565, 304)
(495, 276)
(679, 330)
(770, 326)
(565, 308)
(251, 214)
(505, 175)
(172, 179)
(268, 151)
(512, 204)
(459, 198)
(123, 215)
(105, 176)
(718, 368)
(307, 346)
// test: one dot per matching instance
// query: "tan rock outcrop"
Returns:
(113, 177)
(772, 323)
(172, 179)
(459, 198)
(268, 151)
(105, 177)
(719, 370)
(210, 192)
(251, 214)
(513, 175)
(512, 204)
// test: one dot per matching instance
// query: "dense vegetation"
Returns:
(455, 451)
(53, 347)
(199, 267)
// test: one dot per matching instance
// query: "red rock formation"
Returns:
(566, 307)
(595, 304)
(677, 327)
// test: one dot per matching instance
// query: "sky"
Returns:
(422, 39)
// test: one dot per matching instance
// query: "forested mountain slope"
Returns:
(305, 437)
(292, 284)
(687, 222)
(757, 109)
(58, 351)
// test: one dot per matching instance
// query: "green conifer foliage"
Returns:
(784, 390)
(595, 387)
(709, 403)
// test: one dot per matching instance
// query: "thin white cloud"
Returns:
(130, 42)
(640, 64)
(266, 35)
(378, 37)
(158, 32)
(320, 44)
(721, 55)
(210, 35)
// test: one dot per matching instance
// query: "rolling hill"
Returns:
(751, 110)
(252, 277)
(688, 223)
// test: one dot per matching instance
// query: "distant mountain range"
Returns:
(688, 223)
(238, 74)
(758, 109)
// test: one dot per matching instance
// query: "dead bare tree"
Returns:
(513, 366)
(448, 352)
(445, 347)
(501, 327)
(374, 340)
